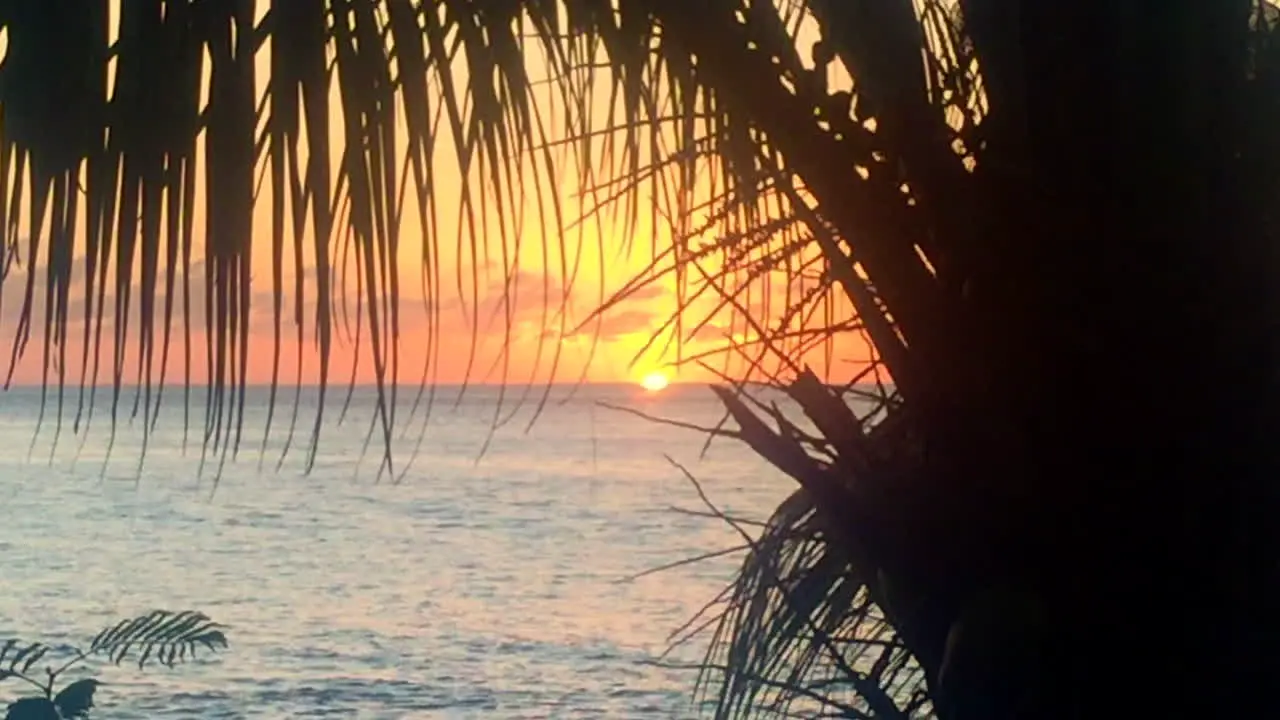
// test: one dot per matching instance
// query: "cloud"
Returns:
(647, 292)
(616, 325)
(711, 332)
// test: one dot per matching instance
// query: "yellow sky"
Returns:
(480, 309)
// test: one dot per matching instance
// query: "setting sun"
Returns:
(654, 381)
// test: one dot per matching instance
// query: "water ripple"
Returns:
(471, 590)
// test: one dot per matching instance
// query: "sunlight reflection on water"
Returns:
(483, 589)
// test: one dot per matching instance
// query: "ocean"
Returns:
(494, 584)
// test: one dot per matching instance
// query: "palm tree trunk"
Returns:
(1139, 368)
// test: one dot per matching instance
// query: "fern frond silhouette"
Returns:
(162, 636)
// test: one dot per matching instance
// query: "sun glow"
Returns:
(654, 381)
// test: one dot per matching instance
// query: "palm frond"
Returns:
(800, 632)
(122, 129)
(160, 636)
(343, 143)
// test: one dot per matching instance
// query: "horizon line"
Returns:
(169, 385)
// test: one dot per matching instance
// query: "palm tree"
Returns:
(1054, 221)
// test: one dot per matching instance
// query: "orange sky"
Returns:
(534, 335)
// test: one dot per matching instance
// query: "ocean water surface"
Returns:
(490, 586)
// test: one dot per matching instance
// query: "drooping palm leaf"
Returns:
(801, 628)
(181, 125)
(412, 80)
(805, 627)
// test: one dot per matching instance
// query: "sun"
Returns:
(654, 381)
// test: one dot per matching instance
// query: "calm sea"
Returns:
(490, 586)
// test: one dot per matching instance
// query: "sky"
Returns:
(511, 313)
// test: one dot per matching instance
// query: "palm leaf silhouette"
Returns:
(801, 625)
(159, 636)
(560, 115)
(122, 163)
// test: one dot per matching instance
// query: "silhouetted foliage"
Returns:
(1022, 230)
(163, 637)
(1055, 222)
